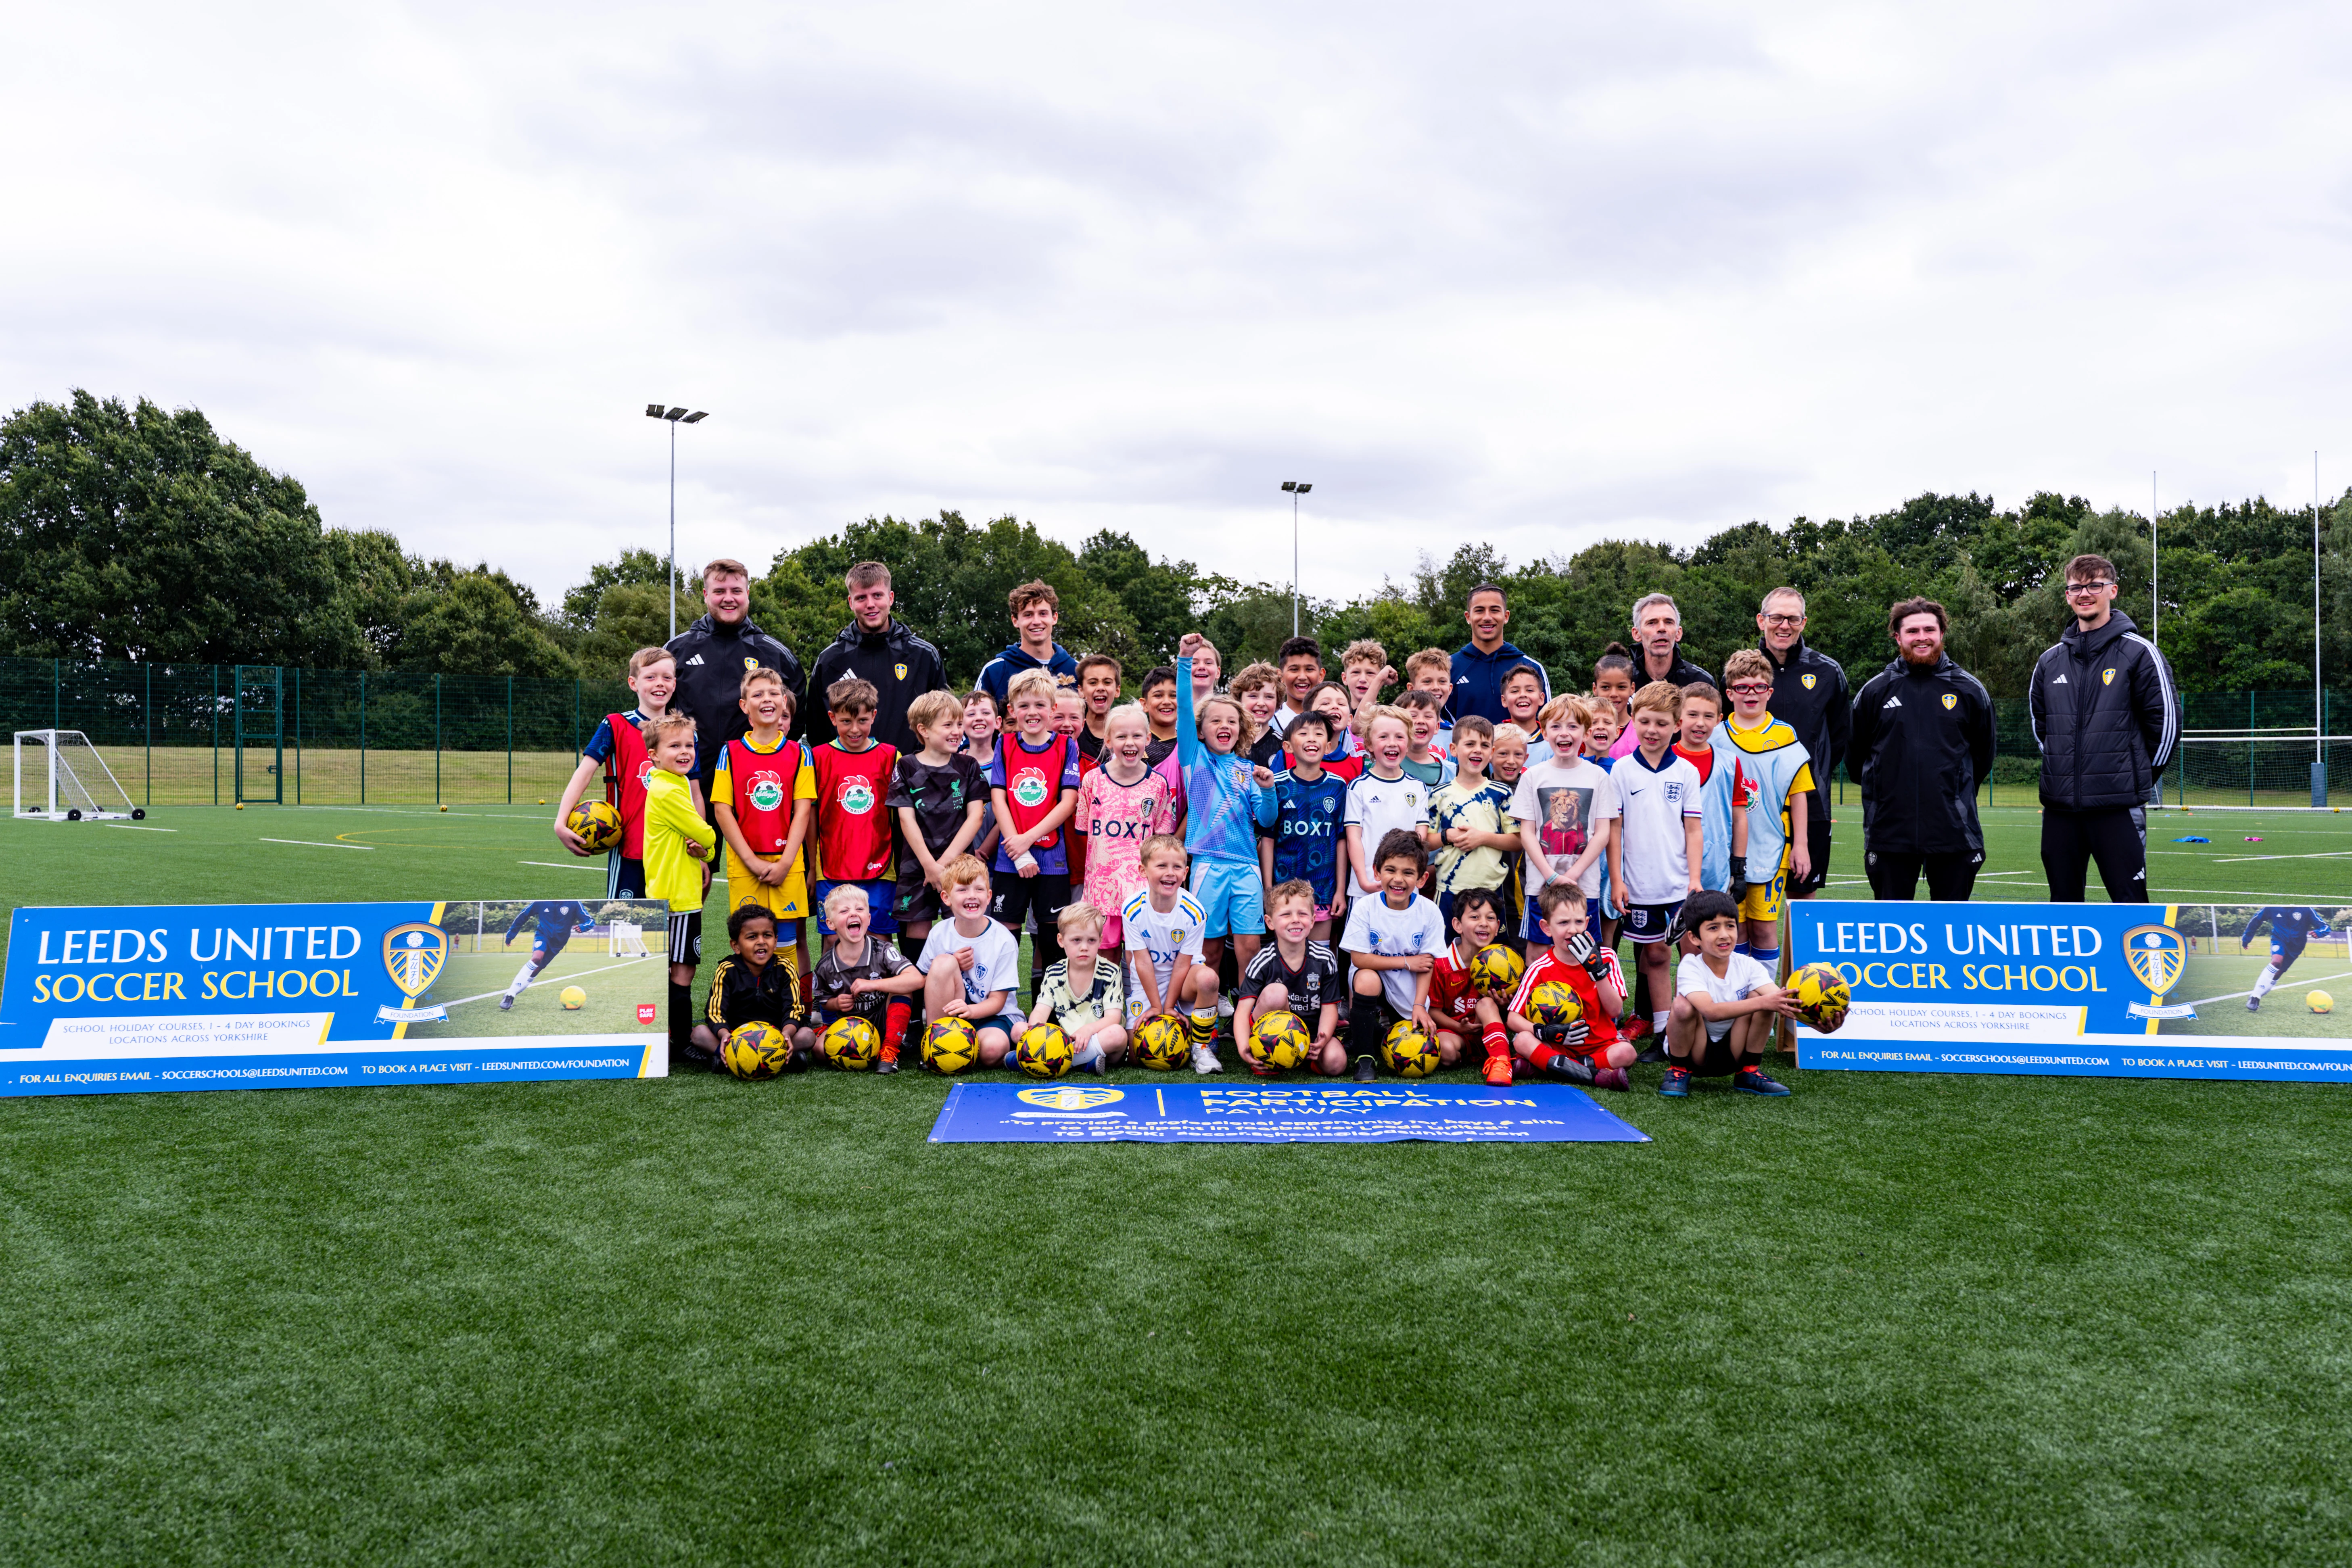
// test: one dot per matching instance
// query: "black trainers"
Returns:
(1365, 1071)
(1655, 1054)
(2253, 1003)
(1570, 1069)
(885, 1064)
(1754, 1080)
(505, 1003)
(1677, 1083)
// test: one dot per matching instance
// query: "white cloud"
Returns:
(1532, 275)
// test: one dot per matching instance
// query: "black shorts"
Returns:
(1817, 845)
(1648, 923)
(915, 899)
(685, 936)
(624, 878)
(552, 942)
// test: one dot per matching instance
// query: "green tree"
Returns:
(130, 532)
(474, 622)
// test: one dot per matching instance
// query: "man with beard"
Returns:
(1923, 740)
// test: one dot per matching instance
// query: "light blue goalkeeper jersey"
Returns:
(1777, 766)
(1222, 805)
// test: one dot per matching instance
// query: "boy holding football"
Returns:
(970, 964)
(750, 987)
(1293, 973)
(861, 976)
(1456, 1000)
(1161, 928)
(1091, 1009)
(619, 746)
(1394, 940)
(677, 842)
(1723, 1019)
(1571, 975)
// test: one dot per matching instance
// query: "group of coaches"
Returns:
(1917, 739)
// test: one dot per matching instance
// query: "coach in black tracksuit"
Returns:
(2107, 717)
(712, 656)
(1810, 696)
(901, 665)
(1923, 739)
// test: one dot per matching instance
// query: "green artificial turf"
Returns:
(1893, 1318)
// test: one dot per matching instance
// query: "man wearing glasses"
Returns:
(2107, 717)
(1809, 695)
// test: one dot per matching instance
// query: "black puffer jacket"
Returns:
(711, 659)
(2106, 716)
(1923, 739)
(1809, 695)
(901, 665)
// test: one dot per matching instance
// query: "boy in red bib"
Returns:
(853, 833)
(762, 796)
(1587, 1051)
(1034, 783)
(618, 747)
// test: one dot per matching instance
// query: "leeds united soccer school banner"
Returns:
(110, 1000)
(2109, 990)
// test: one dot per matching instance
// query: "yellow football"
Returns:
(755, 1051)
(2320, 1002)
(1160, 1043)
(596, 822)
(1495, 970)
(851, 1044)
(1044, 1050)
(1280, 1040)
(572, 999)
(950, 1045)
(1408, 1052)
(1821, 995)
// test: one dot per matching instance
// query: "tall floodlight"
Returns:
(1296, 488)
(675, 418)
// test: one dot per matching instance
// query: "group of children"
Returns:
(1191, 853)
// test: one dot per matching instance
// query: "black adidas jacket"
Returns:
(901, 665)
(1810, 696)
(1923, 740)
(711, 659)
(2106, 716)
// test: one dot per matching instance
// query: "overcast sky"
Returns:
(1533, 274)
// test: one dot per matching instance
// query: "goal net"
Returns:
(628, 940)
(61, 777)
(2266, 770)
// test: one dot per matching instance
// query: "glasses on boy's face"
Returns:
(1751, 688)
(1776, 620)
(2074, 588)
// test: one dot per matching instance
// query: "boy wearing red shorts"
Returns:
(1462, 1010)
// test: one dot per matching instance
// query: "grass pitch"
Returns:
(1893, 1318)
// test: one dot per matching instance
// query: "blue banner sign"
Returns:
(1188, 1112)
(2104, 990)
(124, 999)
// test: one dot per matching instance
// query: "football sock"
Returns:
(1202, 1025)
(895, 1018)
(1770, 957)
(912, 946)
(1498, 1043)
(1084, 1056)
(681, 1015)
(1658, 1022)
(521, 979)
(1364, 1032)
(1742, 947)
(1543, 1055)
(2268, 978)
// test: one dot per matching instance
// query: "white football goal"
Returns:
(69, 781)
(628, 940)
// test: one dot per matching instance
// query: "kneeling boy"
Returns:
(1293, 973)
(1588, 1050)
(861, 976)
(1723, 1019)
(749, 986)
(971, 963)
(1454, 1000)
(1091, 1009)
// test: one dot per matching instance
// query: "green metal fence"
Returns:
(188, 734)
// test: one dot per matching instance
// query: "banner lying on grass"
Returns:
(1178, 1112)
(118, 999)
(2105, 989)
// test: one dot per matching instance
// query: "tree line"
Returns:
(128, 531)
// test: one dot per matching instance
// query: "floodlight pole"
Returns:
(1296, 488)
(675, 418)
(2319, 686)
(2155, 602)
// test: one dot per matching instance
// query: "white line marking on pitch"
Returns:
(560, 866)
(137, 828)
(2233, 996)
(314, 844)
(580, 975)
(2315, 855)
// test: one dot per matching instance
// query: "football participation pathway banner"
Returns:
(2105, 989)
(121, 999)
(1176, 1112)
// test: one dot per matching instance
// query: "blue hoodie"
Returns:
(997, 673)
